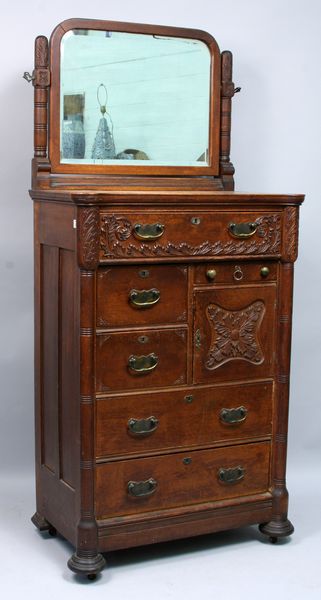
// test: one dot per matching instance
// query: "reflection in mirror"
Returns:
(134, 99)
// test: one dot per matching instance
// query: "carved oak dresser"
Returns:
(163, 298)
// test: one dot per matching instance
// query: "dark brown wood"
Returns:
(198, 519)
(41, 84)
(279, 525)
(56, 399)
(180, 484)
(86, 559)
(190, 197)
(236, 333)
(186, 417)
(232, 273)
(222, 342)
(227, 92)
(208, 237)
(114, 308)
(120, 338)
(114, 349)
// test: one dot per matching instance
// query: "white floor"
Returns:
(230, 565)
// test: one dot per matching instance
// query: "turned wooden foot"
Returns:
(276, 529)
(87, 566)
(40, 522)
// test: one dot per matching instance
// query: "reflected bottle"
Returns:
(73, 137)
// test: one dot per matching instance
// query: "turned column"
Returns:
(86, 559)
(280, 526)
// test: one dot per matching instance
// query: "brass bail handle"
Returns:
(242, 230)
(143, 364)
(142, 426)
(231, 475)
(142, 488)
(148, 232)
(144, 298)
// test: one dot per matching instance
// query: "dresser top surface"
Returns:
(136, 196)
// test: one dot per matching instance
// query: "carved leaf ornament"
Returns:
(116, 230)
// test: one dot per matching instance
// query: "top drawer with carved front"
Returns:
(160, 234)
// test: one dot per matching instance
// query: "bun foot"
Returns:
(40, 522)
(88, 566)
(276, 529)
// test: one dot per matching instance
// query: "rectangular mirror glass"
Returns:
(137, 99)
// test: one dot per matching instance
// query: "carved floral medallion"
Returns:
(235, 334)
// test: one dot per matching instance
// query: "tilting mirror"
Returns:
(139, 99)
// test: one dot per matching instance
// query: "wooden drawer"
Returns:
(119, 358)
(185, 233)
(181, 479)
(140, 296)
(235, 273)
(145, 422)
(234, 333)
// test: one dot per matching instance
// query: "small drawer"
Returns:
(156, 235)
(235, 273)
(140, 423)
(141, 296)
(129, 486)
(141, 359)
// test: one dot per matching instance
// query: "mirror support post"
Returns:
(227, 92)
(41, 82)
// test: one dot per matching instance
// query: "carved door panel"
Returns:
(234, 333)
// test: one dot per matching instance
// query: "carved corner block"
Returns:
(291, 234)
(41, 77)
(88, 238)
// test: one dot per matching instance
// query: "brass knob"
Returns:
(265, 271)
(211, 274)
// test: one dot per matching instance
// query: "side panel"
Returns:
(56, 367)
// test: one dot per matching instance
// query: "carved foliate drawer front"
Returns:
(235, 272)
(189, 234)
(141, 359)
(159, 482)
(234, 333)
(140, 296)
(160, 420)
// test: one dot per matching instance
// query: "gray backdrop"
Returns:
(276, 134)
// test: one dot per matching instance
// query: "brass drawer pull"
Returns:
(142, 426)
(233, 415)
(231, 475)
(242, 230)
(148, 232)
(144, 298)
(265, 271)
(143, 364)
(142, 488)
(211, 274)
